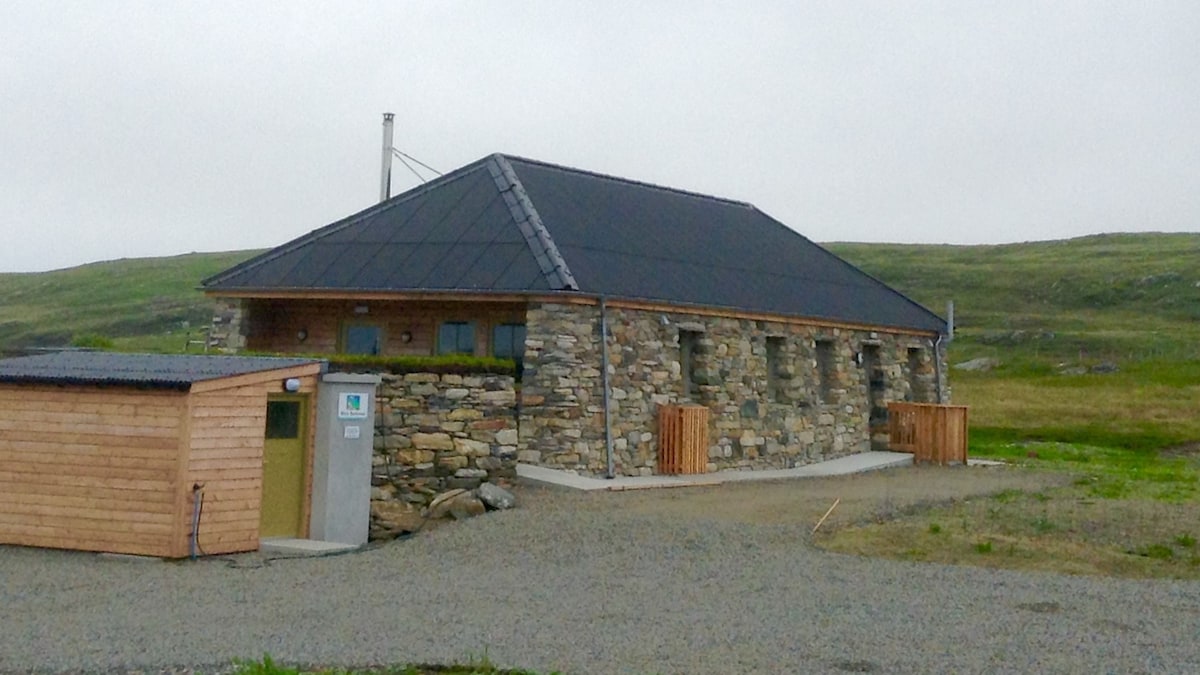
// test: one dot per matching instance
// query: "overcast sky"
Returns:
(134, 129)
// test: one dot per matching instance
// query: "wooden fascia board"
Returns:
(306, 370)
(571, 299)
(725, 313)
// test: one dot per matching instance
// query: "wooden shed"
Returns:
(127, 453)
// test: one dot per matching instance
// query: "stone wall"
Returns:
(437, 432)
(757, 420)
(225, 334)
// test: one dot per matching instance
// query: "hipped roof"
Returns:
(510, 225)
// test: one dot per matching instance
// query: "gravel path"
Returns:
(590, 584)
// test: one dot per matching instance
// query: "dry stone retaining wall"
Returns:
(438, 432)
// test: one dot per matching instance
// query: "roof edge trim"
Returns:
(537, 237)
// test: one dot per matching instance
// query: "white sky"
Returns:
(131, 129)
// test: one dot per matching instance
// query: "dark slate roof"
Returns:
(158, 371)
(510, 225)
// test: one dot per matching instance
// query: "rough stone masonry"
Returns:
(439, 432)
(779, 394)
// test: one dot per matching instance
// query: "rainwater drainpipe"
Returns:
(608, 440)
(937, 367)
(947, 337)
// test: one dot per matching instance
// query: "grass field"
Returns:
(1128, 441)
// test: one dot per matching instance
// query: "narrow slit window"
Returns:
(689, 342)
(916, 384)
(826, 370)
(775, 392)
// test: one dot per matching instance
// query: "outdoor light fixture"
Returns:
(361, 309)
(302, 334)
(406, 337)
(291, 385)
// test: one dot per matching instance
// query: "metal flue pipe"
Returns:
(385, 174)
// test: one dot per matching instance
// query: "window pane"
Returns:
(283, 419)
(466, 338)
(518, 345)
(508, 341)
(502, 341)
(362, 339)
(456, 337)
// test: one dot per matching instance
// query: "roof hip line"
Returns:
(537, 237)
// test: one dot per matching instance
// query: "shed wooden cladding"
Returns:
(933, 433)
(111, 468)
(682, 439)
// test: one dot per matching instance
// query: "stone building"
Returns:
(704, 300)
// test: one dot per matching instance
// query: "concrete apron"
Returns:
(301, 548)
(857, 463)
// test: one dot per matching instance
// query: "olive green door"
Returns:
(284, 452)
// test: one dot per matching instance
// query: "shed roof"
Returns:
(510, 225)
(158, 371)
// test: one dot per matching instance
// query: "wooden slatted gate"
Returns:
(682, 439)
(931, 432)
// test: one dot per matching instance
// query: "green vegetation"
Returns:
(1098, 346)
(1050, 313)
(137, 304)
(1117, 297)
(450, 363)
(483, 666)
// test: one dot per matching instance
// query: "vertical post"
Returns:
(385, 174)
(950, 321)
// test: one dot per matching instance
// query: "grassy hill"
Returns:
(1045, 310)
(1050, 313)
(1104, 297)
(141, 303)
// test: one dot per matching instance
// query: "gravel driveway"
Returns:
(594, 583)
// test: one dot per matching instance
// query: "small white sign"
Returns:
(352, 432)
(352, 406)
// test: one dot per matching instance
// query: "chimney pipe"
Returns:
(949, 321)
(385, 177)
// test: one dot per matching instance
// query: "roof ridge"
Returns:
(342, 224)
(549, 259)
(629, 181)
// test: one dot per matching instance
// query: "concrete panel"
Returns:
(345, 432)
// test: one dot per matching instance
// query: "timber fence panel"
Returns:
(682, 439)
(931, 432)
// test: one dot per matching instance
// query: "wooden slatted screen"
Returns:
(932, 433)
(682, 439)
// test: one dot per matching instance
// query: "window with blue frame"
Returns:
(456, 337)
(508, 341)
(362, 338)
